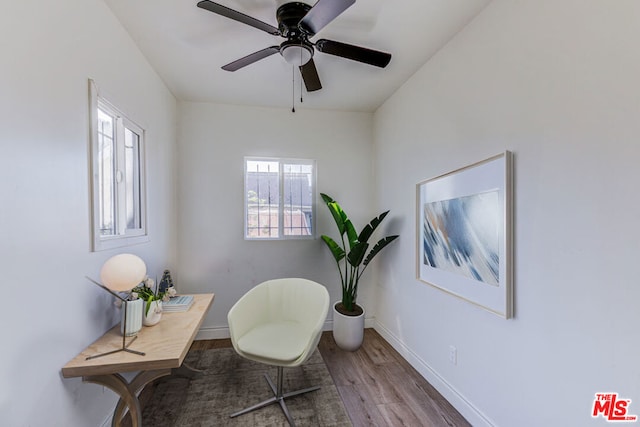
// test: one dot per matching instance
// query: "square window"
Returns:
(279, 198)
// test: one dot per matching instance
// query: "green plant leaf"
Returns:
(356, 254)
(378, 247)
(336, 250)
(326, 198)
(339, 216)
(146, 312)
(368, 230)
(352, 234)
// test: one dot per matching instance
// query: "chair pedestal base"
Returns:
(278, 397)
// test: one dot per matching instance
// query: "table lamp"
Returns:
(121, 273)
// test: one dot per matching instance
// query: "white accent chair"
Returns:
(279, 323)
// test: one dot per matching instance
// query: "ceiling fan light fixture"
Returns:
(297, 23)
(296, 54)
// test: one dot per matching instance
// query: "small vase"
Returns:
(154, 314)
(134, 317)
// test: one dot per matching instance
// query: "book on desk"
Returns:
(178, 303)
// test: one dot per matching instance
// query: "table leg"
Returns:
(118, 384)
(128, 392)
(187, 371)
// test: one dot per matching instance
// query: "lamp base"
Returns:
(124, 348)
(124, 335)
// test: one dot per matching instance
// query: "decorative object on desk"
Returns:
(178, 303)
(132, 318)
(154, 314)
(166, 282)
(348, 330)
(464, 244)
(121, 273)
(148, 292)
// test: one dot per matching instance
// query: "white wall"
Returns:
(50, 311)
(556, 82)
(213, 141)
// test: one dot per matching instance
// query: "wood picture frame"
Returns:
(464, 233)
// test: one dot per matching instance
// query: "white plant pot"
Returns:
(154, 315)
(134, 317)
(348, 331)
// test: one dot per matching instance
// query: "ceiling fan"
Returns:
(298, 22)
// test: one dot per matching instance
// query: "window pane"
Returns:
(132, 179)
(106, 174)
(298, 196)
(262, 198)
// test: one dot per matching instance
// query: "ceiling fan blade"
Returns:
(250, 59)
(356, 53)
(310, 76)
(237, 16)
(323, 12)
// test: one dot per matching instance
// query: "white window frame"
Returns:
(123, 236)
(281, 161)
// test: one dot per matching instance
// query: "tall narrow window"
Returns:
(117, 152)
(279, 198)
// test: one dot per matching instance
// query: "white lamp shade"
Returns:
(123, 272)
(296, 54)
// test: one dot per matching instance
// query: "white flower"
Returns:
(134, 296)
(148, 282)
(171, 291)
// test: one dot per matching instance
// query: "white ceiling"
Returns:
(187, 46)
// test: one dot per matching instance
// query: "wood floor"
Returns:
(378, 387)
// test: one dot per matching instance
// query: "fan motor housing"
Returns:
(289, 16)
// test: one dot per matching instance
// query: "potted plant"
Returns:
(149, 293)
(352, 260)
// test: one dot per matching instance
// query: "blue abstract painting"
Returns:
(462, 236)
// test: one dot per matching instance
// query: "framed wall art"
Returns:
(464, 233)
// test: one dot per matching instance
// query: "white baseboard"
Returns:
(466, 408)
(212, 333)
(216, 333)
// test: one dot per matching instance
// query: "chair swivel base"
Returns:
(278, 397)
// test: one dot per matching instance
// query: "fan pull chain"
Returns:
(301, 101)
(293, 88)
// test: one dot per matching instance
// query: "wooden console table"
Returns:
(165, 346)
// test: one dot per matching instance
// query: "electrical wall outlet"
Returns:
(453, 355)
